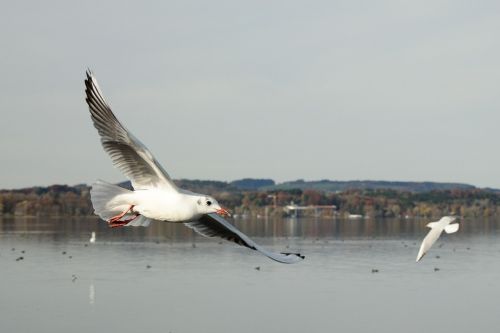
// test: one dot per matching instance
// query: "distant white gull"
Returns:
(436, 230)
(154, 197)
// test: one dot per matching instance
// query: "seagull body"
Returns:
(154, 197)
(436, 229)
(165, 205)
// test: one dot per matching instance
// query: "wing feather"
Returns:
(428, 241)
(213, 225)
(128, 154)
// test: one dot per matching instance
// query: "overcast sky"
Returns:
(381, 90)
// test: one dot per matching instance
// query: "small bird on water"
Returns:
(154, 197)
(92, 237)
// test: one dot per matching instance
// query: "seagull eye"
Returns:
(209, 202)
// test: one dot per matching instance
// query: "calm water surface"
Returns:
(166, 279)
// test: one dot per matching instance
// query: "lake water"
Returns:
(166, 279)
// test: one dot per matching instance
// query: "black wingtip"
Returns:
(88, 79)
(294, 254)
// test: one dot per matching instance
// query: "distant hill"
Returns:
(265, 184)
(335, 186)
(252, 184)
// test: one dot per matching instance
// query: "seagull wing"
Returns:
(451, 228)
(211, 225)
(129, 155)
(430, 239)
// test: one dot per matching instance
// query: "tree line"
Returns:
(63, 200)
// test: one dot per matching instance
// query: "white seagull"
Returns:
(436, 230)
(154, 197)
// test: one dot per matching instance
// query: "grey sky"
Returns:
(387, 90)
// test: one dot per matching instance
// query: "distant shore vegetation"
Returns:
(263, 197)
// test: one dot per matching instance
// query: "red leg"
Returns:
(115, 220)
(119, 216)
(116, 224)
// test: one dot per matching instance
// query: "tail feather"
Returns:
(108, 199)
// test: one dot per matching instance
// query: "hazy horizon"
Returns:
(340, 90)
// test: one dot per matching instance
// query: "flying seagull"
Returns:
(436, 230)
(154, 197)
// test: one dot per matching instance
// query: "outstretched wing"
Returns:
(129, 155)
(430, 239)
(212, 225)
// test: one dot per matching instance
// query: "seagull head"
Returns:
(210, 205)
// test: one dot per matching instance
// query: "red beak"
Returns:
(223, 212)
